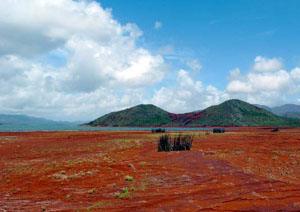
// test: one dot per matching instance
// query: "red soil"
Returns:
(246, 169)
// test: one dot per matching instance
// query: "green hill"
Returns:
(229, 113)
(140, 115)
(238, 113)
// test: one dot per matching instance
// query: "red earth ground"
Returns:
(249, 169)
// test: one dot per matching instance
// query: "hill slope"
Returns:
(239, 113)
(140, 115)
(229, 113)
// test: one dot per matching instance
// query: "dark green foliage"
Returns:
(178, 143)
(218, 130)
(138, 116)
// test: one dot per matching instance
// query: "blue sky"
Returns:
(80, 59)
(222, 34)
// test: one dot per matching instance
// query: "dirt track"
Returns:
(246, 169)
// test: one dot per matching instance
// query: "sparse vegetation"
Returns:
(92, 191)
(62, 175)
(178, 143)
(98, 205)
(124, 194)
(142, 164)
(128, 178)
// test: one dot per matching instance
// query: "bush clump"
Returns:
(158, 130)
(179, 143)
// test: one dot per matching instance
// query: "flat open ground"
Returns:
(246, 169)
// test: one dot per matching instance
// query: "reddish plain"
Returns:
(245, 169)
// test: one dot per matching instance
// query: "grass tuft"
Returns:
(124, 194)
(128, 178)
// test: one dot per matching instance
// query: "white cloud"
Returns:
(236, 86)
(187, 95)
(103, 67)
(267, 83)
(34, 27)
(262, 64)
(296, 74)
(157, 25)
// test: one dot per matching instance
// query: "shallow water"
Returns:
(70, 127)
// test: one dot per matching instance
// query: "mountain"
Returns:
(240, 113)
(229, 113)
(29, 123)
(263, 107)
(287, 110)
(140, 115)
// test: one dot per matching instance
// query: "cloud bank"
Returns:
(71, 60)
(266, 83)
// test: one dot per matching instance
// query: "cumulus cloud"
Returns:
(103, 67)
(296, 74)
(34, 27)
(267, 83)
(262, 64)
(188, 95)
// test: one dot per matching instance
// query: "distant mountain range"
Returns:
(229, 113)
(287, 110)
(29, 123)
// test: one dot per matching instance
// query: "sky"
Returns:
(78, 60)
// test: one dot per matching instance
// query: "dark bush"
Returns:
(178, 143)
(164, 143)
(218, 130)
(158, 130)
(275, 129)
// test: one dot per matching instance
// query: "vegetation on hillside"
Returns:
(229, 113)
(239, 113)
(140, 115)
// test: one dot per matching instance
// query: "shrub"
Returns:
(128, 178)
(158, 130)
(218, 130)
(164, 143)
(178, 143)
(123, 194)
